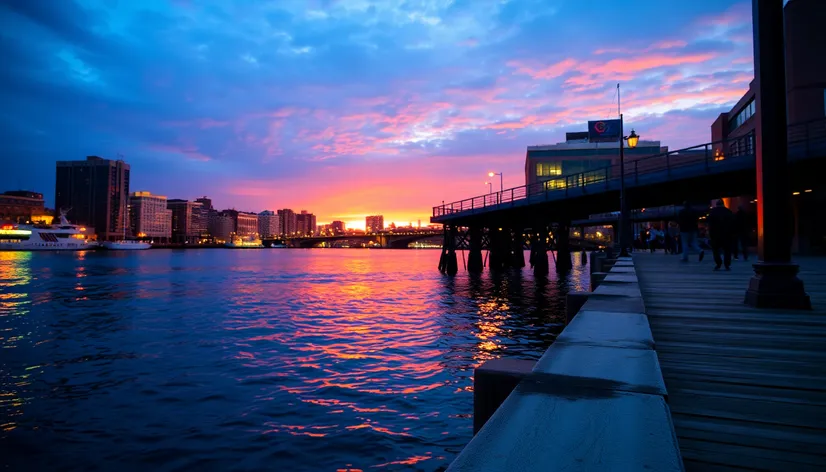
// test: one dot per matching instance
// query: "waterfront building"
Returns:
(806, 109)
(21, 206)
(246, 224)
(288, 222)
(337, 227)
(305, 223)
(149, 217)
(375, 223)
(188, 221)
(221, 226)
(96, 190)
(548, 163)
(206, 202)
(269, 224)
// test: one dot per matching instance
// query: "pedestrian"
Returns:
(673, 236)
(653, 233)
(742, 229)
(721, 231)
(687, 220)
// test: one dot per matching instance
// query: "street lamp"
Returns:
(501, 186)
(624, 222)
(490, 187)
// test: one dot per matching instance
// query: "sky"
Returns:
(348, 108)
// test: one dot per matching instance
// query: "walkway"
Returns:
(746, 387)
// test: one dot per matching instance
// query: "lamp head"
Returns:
(491, 174)
(633, 139)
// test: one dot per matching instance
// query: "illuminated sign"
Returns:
(15, 232)
(604, 130)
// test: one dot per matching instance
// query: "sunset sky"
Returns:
(350, 107)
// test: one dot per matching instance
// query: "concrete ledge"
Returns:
(596, 400)
(614, 329)
(493, 381)
(614, 303)
(542, 428)
(597, 278)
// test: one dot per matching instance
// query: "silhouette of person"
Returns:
(687, 220)
(721, 230)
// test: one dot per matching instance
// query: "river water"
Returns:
(318, 360)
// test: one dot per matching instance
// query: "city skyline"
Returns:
(315, 105)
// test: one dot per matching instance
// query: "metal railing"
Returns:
(804, 139)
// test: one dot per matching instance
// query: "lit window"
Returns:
(545, 169)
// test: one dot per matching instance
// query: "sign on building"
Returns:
(604, 130)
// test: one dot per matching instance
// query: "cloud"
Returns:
(359, 106)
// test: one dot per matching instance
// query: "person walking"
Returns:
(721, 231)
(687, 220)
(742, 228)
(673, 237)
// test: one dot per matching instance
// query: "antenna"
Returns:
(619, 110)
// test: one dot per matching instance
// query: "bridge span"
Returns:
(698, 174)
(390, 240)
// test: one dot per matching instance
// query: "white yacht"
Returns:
(60, 237)
(125, 245)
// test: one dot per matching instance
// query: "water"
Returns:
(318, 359)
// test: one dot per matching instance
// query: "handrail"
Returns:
(709, 153)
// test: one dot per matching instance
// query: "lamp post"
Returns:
(624, 222)
(490, 187)
(501, 186)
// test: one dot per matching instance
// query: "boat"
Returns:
(60, 237)
(125, 244)
(238, 242)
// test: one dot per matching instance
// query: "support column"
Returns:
(563, 248)
(451, 264)
(775, 283)
(474, 262)
(539, 251)
(517, 258)
(499, 249)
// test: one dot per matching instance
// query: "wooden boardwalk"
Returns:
(746, 387)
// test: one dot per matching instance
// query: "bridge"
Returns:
(386, 239)
(698, 173)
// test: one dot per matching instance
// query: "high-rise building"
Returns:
(221, 226)
(149, 217)
(269, 225)
(305, 223)
(206, 202)
(96, 190)
(188, 220)
(337, 227)
(244, 224)
(374, 223)
(21, 206)
(288, 222)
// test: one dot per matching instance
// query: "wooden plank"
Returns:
(747, 387)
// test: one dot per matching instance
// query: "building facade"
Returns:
(288, 222)
(269, 225)
(221, 227)
(96, 192)
(246, 224)
(337, 228)
(188, 221)
(375, 223)
(21, 206)
(305, 224)
(149, 217)
(549, 163)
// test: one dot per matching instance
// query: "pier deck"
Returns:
(746, 387)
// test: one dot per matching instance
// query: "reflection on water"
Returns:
(267, 359)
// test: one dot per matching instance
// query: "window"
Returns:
(741, 117)
(545, 169)
(555, 184)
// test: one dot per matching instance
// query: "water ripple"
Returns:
(239, 360)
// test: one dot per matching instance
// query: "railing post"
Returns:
(706, 148)
(806, 137)
(668, 165)
(636, 173)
